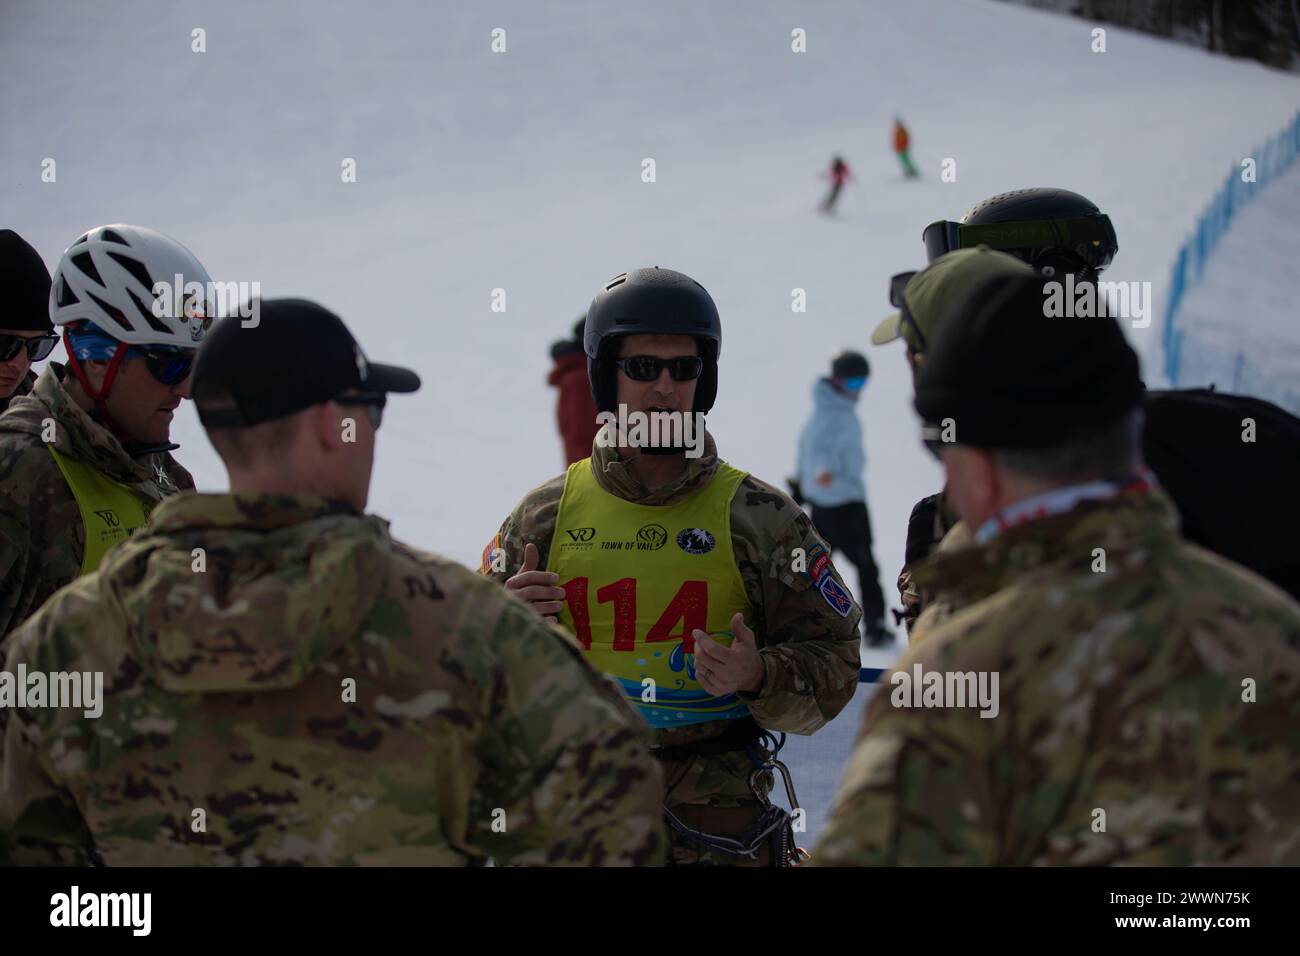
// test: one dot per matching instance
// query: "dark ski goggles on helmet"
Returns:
(38, 346)
(373, 401)
(1089, 239)
(167, 364)
(646, 368)
(897, 283)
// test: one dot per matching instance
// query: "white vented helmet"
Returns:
(108, 276)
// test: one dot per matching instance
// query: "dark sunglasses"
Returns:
(897, 284)
(167, 366)
(38, 347)
(374, 402)
(646, 368)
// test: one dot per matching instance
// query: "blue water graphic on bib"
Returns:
(682, 704)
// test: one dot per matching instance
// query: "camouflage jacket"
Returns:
(935, 595)
(24, 388)
(285, 683)
(810, 653)
(1145, 714)
(931, 520)
(42, 537)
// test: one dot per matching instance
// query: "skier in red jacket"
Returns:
(901, 144)
(575, 410)
(839, 174)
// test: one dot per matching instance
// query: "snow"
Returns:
(522, 171)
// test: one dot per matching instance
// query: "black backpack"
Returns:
(1239, 499)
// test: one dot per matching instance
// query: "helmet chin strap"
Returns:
(98, 397)
(681, 444)
(656, 450)
(663, 450)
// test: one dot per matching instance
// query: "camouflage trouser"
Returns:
(711, 794)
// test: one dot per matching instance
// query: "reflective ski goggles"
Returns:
(854, 384)
(373, 401)
(646, 368)
(38, 347)
(897, 283)
(1089, 238)
(167, 364)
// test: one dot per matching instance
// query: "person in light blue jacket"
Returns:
(831, 463)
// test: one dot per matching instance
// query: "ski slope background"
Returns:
(522, 171)
(1241, 304)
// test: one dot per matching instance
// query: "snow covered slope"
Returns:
(522, 171)
(1244, 305)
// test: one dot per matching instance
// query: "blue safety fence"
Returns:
(1189, 361)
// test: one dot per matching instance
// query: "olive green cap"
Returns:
(932, 292)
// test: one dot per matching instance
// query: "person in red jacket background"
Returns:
(575, 409)
(901, 144)
(839, 174)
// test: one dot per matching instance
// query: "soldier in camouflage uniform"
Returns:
(86, 455)
(1053, 230)
(26, 335)
(286, 683)
(923, 299)
(717, 558)
(1147, 690)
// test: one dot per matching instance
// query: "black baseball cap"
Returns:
(298, 354)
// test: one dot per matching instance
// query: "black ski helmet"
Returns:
(650, 301)
(1052, 229)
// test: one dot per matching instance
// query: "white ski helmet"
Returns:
(132, 282)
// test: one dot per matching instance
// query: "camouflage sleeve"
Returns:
(41, 537)
(567, 760)
(808, 622)
(934, 603)
(15, 535)
(921, 540)
(40, 824)
(533, 520)
(910, 597)
(917, 790)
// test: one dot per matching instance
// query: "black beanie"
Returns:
(26, 285)
(1010, 376)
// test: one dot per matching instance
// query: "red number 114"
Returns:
(690, 606)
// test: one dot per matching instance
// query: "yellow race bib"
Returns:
(640, 579)
(110, 511)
